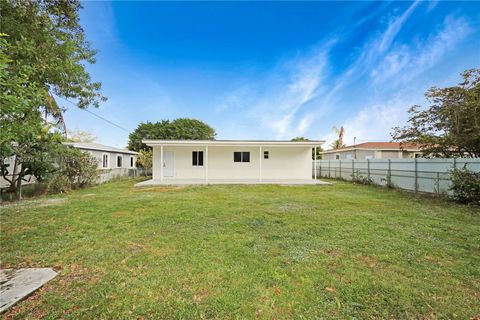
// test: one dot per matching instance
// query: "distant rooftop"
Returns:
(379, 146)
(97, 147)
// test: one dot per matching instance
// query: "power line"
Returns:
(98, 116)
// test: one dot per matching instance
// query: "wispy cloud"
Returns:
(383, 67)
(405, 62)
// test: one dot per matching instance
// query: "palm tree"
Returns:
(51, 108)
(338, 143)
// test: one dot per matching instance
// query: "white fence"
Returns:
(417, 175)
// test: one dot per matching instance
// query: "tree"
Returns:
(47, 36)
(145, 159)
(80, 136)
(450, 126)
(338, 143)
(319, 149)
(43, 53)
(178, 129)
(73, 168)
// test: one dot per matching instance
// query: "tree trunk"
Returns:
(18, 187)
(13, 183)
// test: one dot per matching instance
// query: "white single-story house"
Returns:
(231, 161)
(374, 150)
(112, 162)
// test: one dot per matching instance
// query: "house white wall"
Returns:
(283, 163)
(112, 159)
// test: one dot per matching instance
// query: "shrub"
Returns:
(73, 169)
(466, 186)
(360, 179)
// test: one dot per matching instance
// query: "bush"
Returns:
(466, 186)
(73, 169)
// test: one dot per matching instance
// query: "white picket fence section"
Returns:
(417, 175)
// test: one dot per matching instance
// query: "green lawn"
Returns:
(283, 252)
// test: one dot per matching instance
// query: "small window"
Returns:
(337, 156)
(119, 161)
(105, 161)
(197, 158)
(265, 154)
(241, 156)
(237, 157)
(131, 162)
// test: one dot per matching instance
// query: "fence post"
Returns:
(416, 176)
(340, 167)
(368, 169)
(329, 169)
(353, 170)
(320, 168)
(389, 174)
(438, 183)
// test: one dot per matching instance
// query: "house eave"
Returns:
(239, 143)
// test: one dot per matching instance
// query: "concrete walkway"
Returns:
(183, 182)
(15, 285)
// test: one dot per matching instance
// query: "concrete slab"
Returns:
(18, 284)
(182, 182)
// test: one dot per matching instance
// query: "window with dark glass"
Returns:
(241, 156)
(265, 154)
(131, 162)
(119, 161)
(105, 161)
(197, 158)
(237, 157)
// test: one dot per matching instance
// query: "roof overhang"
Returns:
(98, 148)
(238, 143)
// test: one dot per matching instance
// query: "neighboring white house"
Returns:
(374, 150)
(231, 161)
(112, 162)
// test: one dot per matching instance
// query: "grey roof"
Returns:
(97, 147)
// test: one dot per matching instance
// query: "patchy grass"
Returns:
(261, 251)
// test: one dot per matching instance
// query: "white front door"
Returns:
(168, 164)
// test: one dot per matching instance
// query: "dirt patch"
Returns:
(368, 261)
(200, 296)
(333, 252)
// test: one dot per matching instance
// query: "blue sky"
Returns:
(273, 70)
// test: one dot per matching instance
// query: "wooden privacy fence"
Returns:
(417, 175)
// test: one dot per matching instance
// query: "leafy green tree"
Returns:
(43, 53)
(74, 168)
(46, 35)
(178, 129)
(145, 159)
(20, 122)
(319, 149)
(450, 126)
